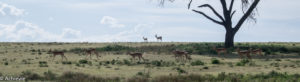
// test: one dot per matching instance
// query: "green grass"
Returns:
(160, 62)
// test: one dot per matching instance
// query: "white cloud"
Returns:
(70, 33)
(95, 5)
(12, 10)
(112, 22)
(26, 31)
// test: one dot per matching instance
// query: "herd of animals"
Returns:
(178, 54)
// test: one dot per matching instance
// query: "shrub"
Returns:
(66, 62)
(180, 70)
(83, 61)
(43, 65)
(140, 73)
(243, 62)
(205, 67)
(107, 62)
(113, 61)
(5, 63)
(198, 62)
(156, 63)
(215, 61)
(42, 62)
(127, 62)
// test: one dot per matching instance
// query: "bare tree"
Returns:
(248, 8)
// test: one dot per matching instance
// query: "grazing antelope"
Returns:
(61, 53)
(133, 55)
(256, 51)
(145, 39)
(90, 51)
(244, 52)
(180, 55)
(220, 50)
(159, 38)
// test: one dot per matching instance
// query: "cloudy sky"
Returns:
(124, 21)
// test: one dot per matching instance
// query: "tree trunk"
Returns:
(229, 38)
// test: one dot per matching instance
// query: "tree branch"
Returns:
(215, 21)
(232, 14)
(231, 6)
(224, 6)
(228, 21)
(189, 5)
(246, 15)
(209, 6)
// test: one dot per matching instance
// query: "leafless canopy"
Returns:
(244, 6)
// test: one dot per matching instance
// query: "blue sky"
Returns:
(124, 21)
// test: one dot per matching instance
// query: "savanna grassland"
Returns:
(279, 62)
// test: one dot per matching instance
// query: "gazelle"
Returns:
(256, 51)
(244, 52)
(90, 51)
(61, 53)
(145, 39)
(181, 54)
(159, 38)
(136, 54)
(220, 50)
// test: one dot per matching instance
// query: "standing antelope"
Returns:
(181, 54)
(244, 52)
(256, 51)
(90, 51)
(61, 53)
(145, 39)
(220, 50)
(159, 38)
(133, 55)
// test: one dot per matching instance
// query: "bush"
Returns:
(66, 62)
(114, 48)
(140, 73)
(127, 62)
(205, 67)
(156, 63)
(43, 65)
(113, 62)
(215, 61)
(180, 70)
(5, 63)
(242, 62)
(83, 61)
(198, 62)
(42, 62)
(25, 61)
